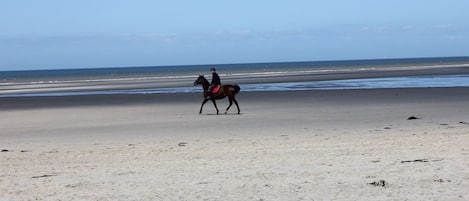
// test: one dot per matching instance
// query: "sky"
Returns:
(57, 34)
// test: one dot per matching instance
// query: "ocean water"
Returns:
(190, 70)
(178, 79)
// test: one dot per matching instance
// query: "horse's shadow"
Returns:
(229, 114)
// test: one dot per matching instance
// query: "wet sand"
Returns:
(298, 145)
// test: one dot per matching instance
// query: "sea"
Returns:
(178, 79)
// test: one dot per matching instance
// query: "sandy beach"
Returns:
(298, 145)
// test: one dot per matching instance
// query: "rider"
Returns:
(215, 81)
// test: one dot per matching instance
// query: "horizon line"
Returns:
(223, 64)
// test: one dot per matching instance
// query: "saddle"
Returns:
(216, 89)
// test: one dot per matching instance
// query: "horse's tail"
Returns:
(237, 88)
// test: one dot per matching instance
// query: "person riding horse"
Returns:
(215, 82)
(225, 91)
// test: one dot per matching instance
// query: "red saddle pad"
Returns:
(216, 88)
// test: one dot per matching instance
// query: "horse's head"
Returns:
(200, 80)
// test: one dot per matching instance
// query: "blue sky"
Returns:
(51, 34)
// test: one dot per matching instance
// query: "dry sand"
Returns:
(308, 145)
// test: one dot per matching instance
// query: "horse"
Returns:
(225, 91)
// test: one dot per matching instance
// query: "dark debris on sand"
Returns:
(380, 183)
(441, 180)
(46, 175)
(412, 118)
(416, 160)
(424, 160)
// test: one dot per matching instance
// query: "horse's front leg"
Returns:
(215, 104)
(203, 103)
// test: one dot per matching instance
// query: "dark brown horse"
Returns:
(225, 91)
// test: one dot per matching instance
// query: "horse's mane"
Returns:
(204, 79)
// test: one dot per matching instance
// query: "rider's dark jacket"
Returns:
(215, 79)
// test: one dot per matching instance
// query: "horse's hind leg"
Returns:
(231, 103)
(236, 102)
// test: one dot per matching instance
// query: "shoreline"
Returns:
(169, 83)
